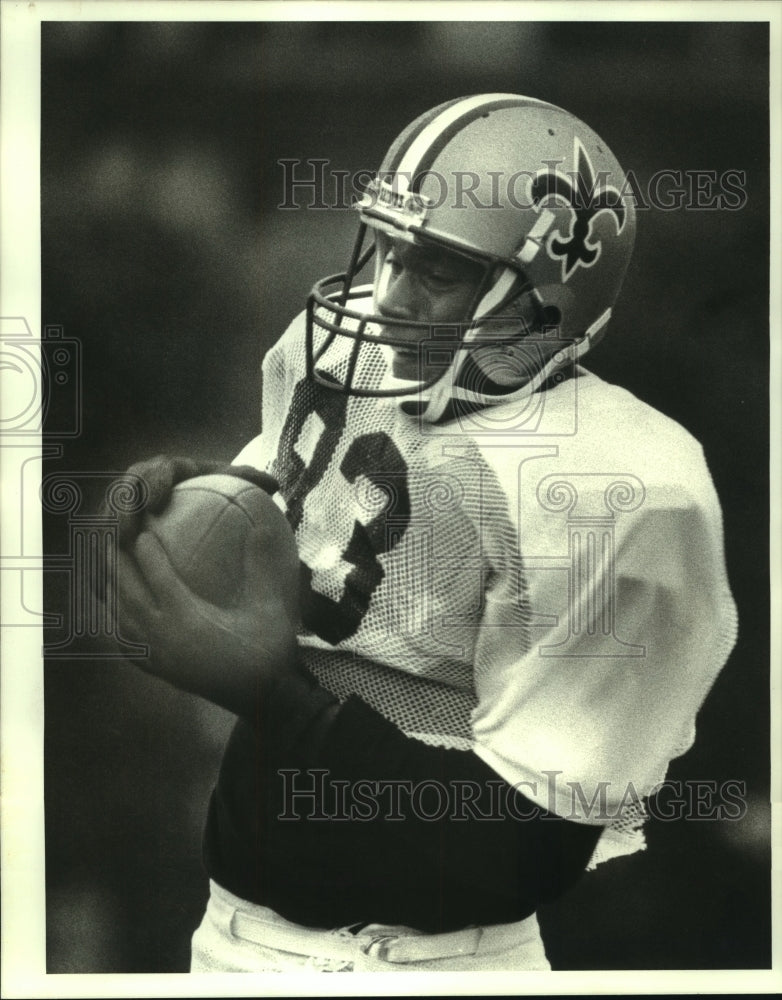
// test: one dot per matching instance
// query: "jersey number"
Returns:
(373, 456)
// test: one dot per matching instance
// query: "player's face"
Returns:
(424, 285)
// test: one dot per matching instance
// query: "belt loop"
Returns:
(232, 928)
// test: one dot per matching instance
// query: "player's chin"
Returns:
(408, 366)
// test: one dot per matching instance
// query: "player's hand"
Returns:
(159, 475)
(231, 656)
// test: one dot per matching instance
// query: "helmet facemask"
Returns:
(483, 355)
(553, 237)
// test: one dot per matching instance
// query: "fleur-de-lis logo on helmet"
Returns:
(586, 200)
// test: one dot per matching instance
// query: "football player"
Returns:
(513, 594)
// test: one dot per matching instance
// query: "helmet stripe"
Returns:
(403, 141)
(436, 134)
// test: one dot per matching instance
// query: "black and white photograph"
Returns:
(390, 428)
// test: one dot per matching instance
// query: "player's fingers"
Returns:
(128, 526)
(152, 481)
(266, 482)
(121, 612)
(134, 630)
(123, 504)
(137, 614)
(160, 475)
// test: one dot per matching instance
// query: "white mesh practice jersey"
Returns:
(542, 581)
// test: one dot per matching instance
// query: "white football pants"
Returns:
(237, 936)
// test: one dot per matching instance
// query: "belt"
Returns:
(386, 944)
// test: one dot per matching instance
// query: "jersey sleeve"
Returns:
(631, 619)
(260, 451)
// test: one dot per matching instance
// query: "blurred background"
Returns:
(166, 257)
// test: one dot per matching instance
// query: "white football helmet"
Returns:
(527, 190)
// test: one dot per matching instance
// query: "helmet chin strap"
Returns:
(502, 292)
(439, 396)
(510, 296)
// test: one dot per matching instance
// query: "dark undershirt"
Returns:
(445, 863)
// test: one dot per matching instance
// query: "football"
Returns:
(205, 528)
